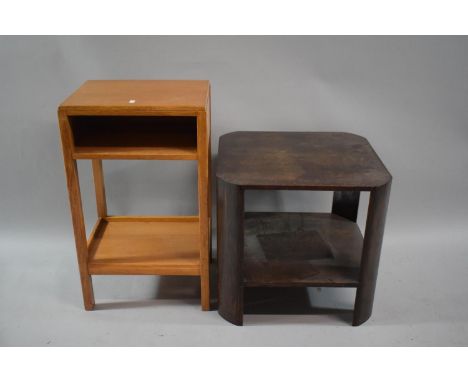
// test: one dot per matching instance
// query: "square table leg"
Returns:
(372, 245)
(74, 194)
(230, 215)
(204, 206)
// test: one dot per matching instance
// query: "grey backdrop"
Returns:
(407, 95)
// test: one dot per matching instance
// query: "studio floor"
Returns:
(420, 301)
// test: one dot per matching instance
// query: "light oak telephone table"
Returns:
(159, 120)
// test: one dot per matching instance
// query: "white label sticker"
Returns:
(132, 101)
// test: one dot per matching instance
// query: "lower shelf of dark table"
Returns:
(301, 249)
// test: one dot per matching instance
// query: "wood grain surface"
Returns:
(301, 249)
(137, 96)
(299, 160)
(134, 247)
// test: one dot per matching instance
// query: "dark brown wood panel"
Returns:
(301, 249)
(346, 204)
(230, 209)
(133, 131)
(375, 225)
(300, 160)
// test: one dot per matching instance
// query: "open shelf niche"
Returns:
(134, 137)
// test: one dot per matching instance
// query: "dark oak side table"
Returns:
(277, 249)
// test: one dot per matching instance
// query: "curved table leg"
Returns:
(346, 204)
(230, 215)
(375, 225)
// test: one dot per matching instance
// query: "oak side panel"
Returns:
(230, 238)
(375, 225)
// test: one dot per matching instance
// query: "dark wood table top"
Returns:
(299, 160)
